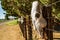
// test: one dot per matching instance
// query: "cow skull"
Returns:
(38, 20)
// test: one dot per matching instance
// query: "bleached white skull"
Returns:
(38, 20)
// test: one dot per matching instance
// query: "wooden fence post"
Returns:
(29, 29)
(48, 16)
(50, 22)
(23, 28)
(50, 32)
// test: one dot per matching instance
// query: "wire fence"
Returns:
(27, 30)
(52, 3)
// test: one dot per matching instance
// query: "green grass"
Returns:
(13, 22)
(2, 20)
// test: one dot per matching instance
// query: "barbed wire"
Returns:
(52, 3)
(51, 30)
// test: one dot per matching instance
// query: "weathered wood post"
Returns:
(48, 16)
(23, 27)
(50, 22)
(49, 32)
(29, 29)
(44, 11)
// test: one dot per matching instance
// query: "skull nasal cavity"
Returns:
(37, 15)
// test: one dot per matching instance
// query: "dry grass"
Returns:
(56, 35)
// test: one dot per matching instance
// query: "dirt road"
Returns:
(10, 32)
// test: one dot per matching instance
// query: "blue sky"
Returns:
(2, 16)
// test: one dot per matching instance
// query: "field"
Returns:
(2, 20)
(11, 31)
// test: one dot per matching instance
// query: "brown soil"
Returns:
(10, 33)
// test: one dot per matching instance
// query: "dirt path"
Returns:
(10, 33)
(14, 33)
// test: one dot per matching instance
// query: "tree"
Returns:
(56, 9)
(19, 7)
(23, 7)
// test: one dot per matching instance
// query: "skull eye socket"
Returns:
(37, 15)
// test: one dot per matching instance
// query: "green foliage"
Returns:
(23, 7)
(2, 20)
(56, 9)
(58, 15)
(6, 17)
(10, 6)
(45, 2)
(13, 22)
(19, 7)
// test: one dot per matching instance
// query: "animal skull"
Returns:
(38, 20)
